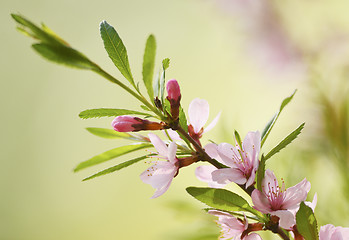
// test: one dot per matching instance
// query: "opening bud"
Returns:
(127, 123)
(174, 96)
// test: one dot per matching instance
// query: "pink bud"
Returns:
(173, 90)
(125, 123)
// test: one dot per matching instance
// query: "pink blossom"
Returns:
(204, 173)
(198, 115)
(242, 163)
(126, 123)
(233, 228)
(160, 175)
(330, 232)
(279, 201)
(173, 90)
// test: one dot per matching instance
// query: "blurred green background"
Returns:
(209, 44)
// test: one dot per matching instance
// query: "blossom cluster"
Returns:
(283, 211)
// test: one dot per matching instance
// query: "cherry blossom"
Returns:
(198, 113)
(232, 227)
(242, 163)
(330, 232)
(279, 201)
(160, 175)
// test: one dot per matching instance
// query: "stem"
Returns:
(282, 234)
(202, 152)
(106, 75)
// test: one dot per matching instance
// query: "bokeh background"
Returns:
(244, 57)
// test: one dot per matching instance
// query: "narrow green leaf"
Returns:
(116, 50)
(148, 65)
(108, 155)
(260, 173)
(238, 139)
(108, 133)
(221, 199)
(156, 84)
(116, 168)
(306, 223)
(272, 122)
(108, 112)
(287, 140)
(64, 55)
(183, 119)
(165, 65)
(44, 34)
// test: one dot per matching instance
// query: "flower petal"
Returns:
(172, 149)
(226, 175)
(198, 113)
(228, 154)
(260, 201)
(159, 176)
(213, 123)
(251, 145)
(212, 150)
(287, 218)
(204, 173)
(296, 194)
(253, 236)
(159, 145)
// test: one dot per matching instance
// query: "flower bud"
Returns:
(173, 90)
(127, 123)
(174, 96)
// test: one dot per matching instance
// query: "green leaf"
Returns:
(64, 55)
(44, 34)
(108, 112)
(221, 199)
(260, 173)
(51, 46)
(108, 155)
(116, 50)
(272, 122)
(108, 133)
(148, 65)
(287, 140)
(306, 223)
(165, 65)
(167, 107)
(116, 167)
(183, 119)
(238, 139)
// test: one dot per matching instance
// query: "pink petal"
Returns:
(198, 113)
(159, 145)
(296, 194)
(287, 218)
(251, 145)
(172, 149)
(251, 179)
(161, 190)
(326, 232)
(226, 175)
(212, 151)
(159, 176)
(269, 179)
(260, 201)
(213, 123)
(312, 204)
(228, 154)
(173, 135)
(204, 173)
(253, 236)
